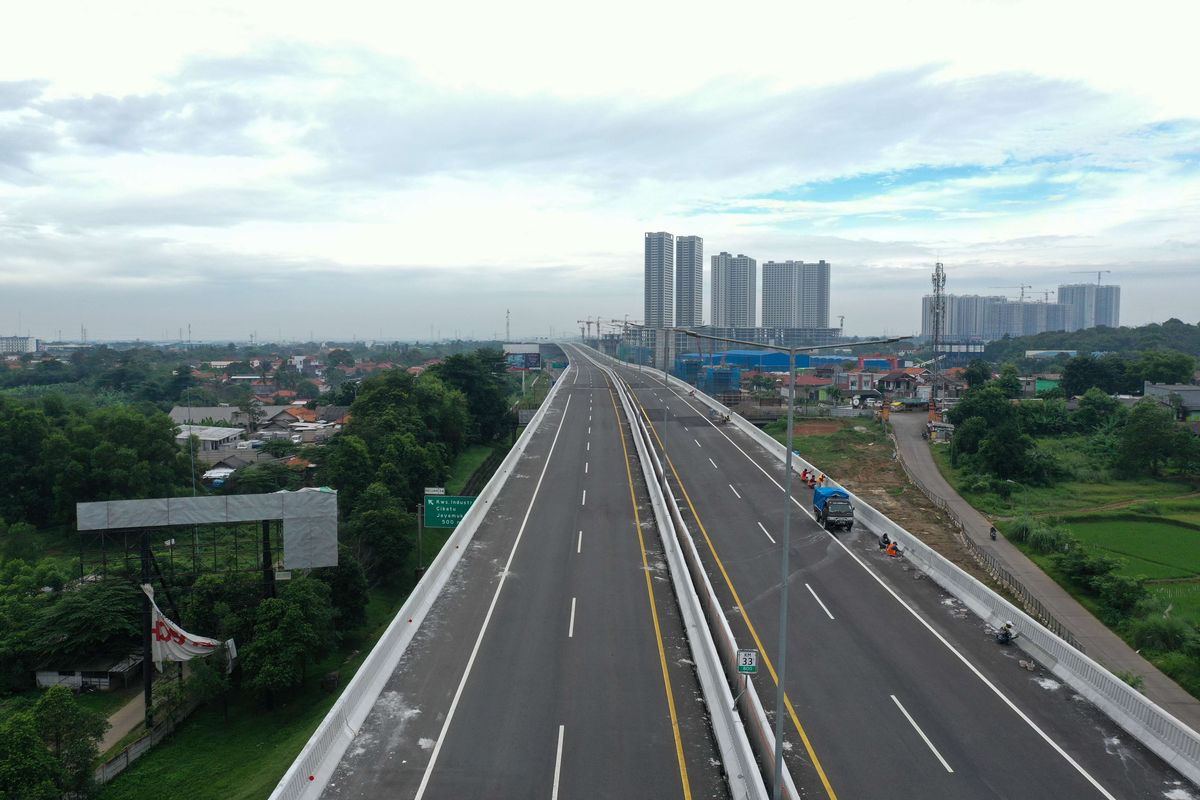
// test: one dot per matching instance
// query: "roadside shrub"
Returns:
(1045, 539)
(1148, 507)
(1182, 669)
(1092, 474)
(1119, 596)
(1020, 529)
(1160, 633)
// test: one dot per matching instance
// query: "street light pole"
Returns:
(783, 594)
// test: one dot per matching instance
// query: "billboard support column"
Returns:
(268, 567)
(147, 669)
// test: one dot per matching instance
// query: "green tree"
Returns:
(988, 403)
(1164, 366)
(27, 769)
(1148, 440)
(480, 377)
(1095, 409)
(95, 615)
(209, 681)
(977, 373)
(289, 630)
(967, 438)
(380, 530)
(339, 358)
(1009, 381)
(1005, 452)
(348, 589)
(72, 734)
(1086, 372)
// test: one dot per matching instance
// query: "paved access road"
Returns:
(554, 663)
(893, 691)
(1099, 642)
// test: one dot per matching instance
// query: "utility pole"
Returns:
(508, 325)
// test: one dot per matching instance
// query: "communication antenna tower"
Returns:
(939, 314)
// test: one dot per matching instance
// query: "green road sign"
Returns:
(446, 511)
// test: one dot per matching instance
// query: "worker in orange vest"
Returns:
(804, 475)
(821, 480)
(893, 550)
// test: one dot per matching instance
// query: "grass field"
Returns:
(1062, 497)
(1155, 548)
(834, 451)
(470, 460)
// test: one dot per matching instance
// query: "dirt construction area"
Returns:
(859, 454)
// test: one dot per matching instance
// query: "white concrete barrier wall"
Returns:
(741, 768)
(310, 772)
(719, 655)
(1153, 726)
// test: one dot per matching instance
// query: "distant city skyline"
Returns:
(262, 166)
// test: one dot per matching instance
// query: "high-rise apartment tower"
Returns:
(734, 291)
(795, 294)
(659, 281)
(689, 281)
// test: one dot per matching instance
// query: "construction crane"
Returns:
(1098, 272)
(1022, 287)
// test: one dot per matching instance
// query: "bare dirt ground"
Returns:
(871, 471)
(815, 427)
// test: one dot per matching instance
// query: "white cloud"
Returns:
(524, 148)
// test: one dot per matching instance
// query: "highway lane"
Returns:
(555, 663)
(887, 707)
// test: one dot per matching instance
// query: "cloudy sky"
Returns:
(389, 170)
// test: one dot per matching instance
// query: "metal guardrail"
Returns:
(992, 565)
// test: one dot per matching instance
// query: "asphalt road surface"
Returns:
(894, 689)
(554, 663)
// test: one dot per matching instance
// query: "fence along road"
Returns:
(889, 696)
(553, 664)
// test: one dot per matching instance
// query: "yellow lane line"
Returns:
(787, 701)
(662, 655)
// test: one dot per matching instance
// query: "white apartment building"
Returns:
(734, 291)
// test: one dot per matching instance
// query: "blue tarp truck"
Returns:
(832, 508)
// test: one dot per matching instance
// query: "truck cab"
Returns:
(832, 508)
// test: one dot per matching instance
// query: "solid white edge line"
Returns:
(713, 463)
(557, 764)
(571, 627)
(814, 594)
(921, 733)
(579, 544)
(764, 530)
(735, 492)
(437, 747)
(973, 669)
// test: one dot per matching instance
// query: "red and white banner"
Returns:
(169, 642)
